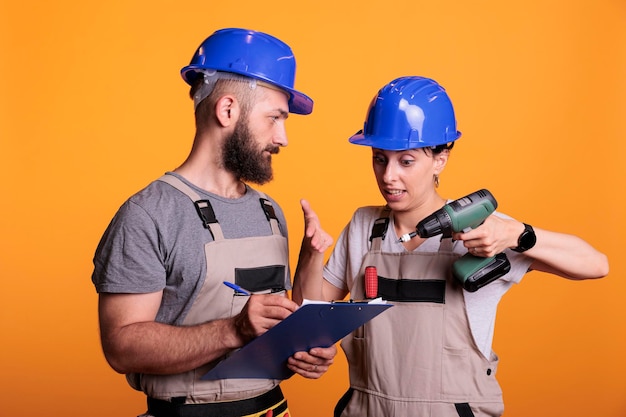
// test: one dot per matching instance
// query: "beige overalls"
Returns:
(258, 264)
(419, 358)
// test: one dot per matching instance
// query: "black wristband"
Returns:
(526, 240)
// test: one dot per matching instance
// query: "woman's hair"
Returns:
(436, 150)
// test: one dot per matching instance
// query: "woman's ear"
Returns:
(440, 160)
(227, 110)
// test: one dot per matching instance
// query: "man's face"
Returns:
(257, 136)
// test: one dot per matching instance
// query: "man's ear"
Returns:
(227, 110)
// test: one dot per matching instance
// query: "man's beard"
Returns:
(244, 159)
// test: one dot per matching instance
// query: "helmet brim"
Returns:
(299, 103)
(393, 144)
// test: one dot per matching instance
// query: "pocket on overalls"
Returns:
(455, 370)
(261, 278)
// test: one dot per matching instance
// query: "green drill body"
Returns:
(462, 215)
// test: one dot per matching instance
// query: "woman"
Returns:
(429, 355)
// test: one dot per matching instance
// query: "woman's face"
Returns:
(406, 178)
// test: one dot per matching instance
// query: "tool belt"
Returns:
(177, 408)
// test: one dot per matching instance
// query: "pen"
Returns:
(237, 288)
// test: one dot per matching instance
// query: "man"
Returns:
(165, 316)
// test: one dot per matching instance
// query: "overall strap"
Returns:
(446, 244)
(464, 410)
(203, 207)
(379, 230)
(268, 208)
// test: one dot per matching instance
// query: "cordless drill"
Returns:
(462, 215)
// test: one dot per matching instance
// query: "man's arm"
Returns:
(133, 342)
(308, 280)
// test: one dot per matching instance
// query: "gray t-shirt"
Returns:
(344, 265)
(156, 242)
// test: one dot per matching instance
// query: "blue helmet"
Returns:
(252, 54)
(408, 113)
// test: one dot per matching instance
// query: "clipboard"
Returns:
(311, 325)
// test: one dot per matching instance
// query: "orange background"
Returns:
(92, 108)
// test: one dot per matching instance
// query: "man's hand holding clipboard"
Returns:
(314, 324)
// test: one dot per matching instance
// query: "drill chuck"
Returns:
(437, 223)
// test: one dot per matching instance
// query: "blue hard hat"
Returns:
(251, 54)
(408, 113)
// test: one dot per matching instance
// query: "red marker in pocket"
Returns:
(371, 282)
